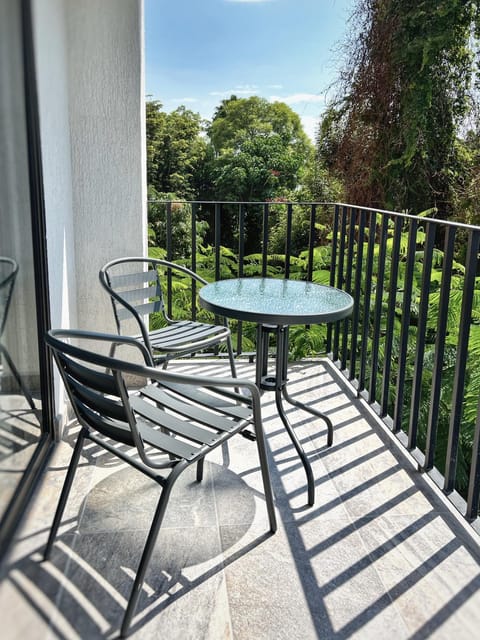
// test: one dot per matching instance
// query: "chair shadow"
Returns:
(87, 581)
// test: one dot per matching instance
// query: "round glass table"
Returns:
(275, 304)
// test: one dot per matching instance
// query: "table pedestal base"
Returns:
(278, 383)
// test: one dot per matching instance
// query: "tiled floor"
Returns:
(19, 435)
(380, 555)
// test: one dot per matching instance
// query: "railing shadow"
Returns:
(406, 577)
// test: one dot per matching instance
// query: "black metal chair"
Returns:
(171, 422)
(8, 275)
(137, 289)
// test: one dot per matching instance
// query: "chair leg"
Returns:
(67, 485)
(148, 549)
(231, 357)
(200, 465)
(267, 486)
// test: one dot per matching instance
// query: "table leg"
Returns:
(281, 381)
(297, 403)
(278, 383)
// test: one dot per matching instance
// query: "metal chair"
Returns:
(171, 422)
(8, 275)
(137, 288)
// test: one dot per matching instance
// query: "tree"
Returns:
(175, 150)
(392, 133)
(260, 149)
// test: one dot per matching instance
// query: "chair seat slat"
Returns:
(168, 444)
(175, 424)
(188, 410)
(222, 404)
(189, 335)
(196, 331)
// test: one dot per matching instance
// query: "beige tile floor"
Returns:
(19, 435)
(379, 555)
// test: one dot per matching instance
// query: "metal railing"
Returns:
(412, 345)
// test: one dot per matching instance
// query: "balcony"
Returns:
(385, 549)
(381, 552)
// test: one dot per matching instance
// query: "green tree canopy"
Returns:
(260, 149)
(175, 150)
(392, 134)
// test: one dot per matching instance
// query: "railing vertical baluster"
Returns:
(405, 326)
(288, 239)
(341, 248)
(392, 299)
(434, 407)
(218, 238)
(241, 240)
(266, 210)
(241, 258)
(311, 241)
(372, 230)
(357, 292)
(217, 246)
(421, 334)
(333, 266)
(351, 217)
(378, 316)
(341, 261)
(194, 210)
(474, 480)
(461, 361)
(169, 257)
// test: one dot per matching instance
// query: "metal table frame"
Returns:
(277, 322)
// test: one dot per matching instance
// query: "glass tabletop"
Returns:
(276, 301)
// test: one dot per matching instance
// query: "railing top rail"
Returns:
(408, 216)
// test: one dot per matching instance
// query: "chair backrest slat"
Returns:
(88, 389)
(98, 380)
(98, 402)
(141, 309)
(114, 429)
(132, 279)
(142, 294)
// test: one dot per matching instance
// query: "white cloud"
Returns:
(297, 98)
(242, 89)
(310, 125)
(249, 1)
(183, 100)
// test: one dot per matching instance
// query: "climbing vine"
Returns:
(393, 132)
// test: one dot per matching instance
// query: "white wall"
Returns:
(107, 123)
(51, 54)
(89, 58)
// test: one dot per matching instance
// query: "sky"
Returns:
(199, 52)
